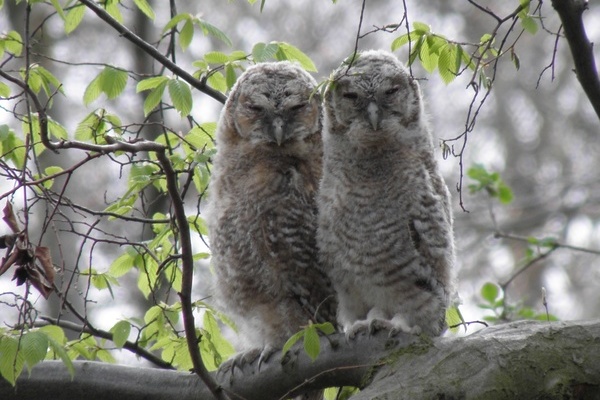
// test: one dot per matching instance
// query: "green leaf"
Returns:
(49, 172)
(74, 18)
(154, 98)
(230, 76)
(34, 346)
(54, 332)
(86, 130)
(525, 4)
(428, 57)
(122, 265)
(186, 34)
(57, 130)
(490, 292)
(216, 57)
(209, 29)
(120, 333)
(112, 7)
(262, 52)
(216, 80)
(416, 50)
(515, 59)
(144, 7)
(11, 359)
(12, 147)
(93, 90)
(290, 342)
(113, 81)
(292, 53)
(181, 95)
(13, 43)
(150, 83)
(327, 328)
(529, 24)
(56, 345)
(220, 347)
(447, 63)
(312, 345)
(175, 20)
(505, 194)
(485, 38)
(454, 317)
(57, 7)
(421, 28)
(4, 90)
(404, 39)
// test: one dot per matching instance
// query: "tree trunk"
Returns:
(524, 360)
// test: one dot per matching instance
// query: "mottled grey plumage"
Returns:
(262, 209)
(385, 222)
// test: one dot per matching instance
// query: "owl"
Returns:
(262, 214)
(385, 223)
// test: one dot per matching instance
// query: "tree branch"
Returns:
(187, 267)
(133, 347)
(153, 52)
(571, 16)
(527, 359)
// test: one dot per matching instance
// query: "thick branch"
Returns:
(571, 12)
(153, 52)
(519, 360)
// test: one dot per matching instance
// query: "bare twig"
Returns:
(153, 52)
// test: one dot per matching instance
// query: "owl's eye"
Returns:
(255, 108)
(298, 107)
(350, 95)
(392, 90)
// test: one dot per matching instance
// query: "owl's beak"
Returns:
(278, 130)
(373, 113)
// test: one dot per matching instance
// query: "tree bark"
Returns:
(524, 360)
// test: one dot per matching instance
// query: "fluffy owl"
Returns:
(385, 223)
(262, 215)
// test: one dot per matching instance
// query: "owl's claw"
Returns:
(415, 330)
(399, 324)
(372, 326)
(239, 360)
(265, 354)
(369, 326)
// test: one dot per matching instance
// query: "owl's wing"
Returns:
(430, 222)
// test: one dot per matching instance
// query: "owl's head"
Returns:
(274, 104)
(372, 94)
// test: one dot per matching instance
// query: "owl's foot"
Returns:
(243, 359)
(399, 324)
(369, 326)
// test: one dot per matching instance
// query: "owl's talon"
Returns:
(376, 325)
(265, 354)
(239, 360)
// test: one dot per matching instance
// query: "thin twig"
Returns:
(153, 52)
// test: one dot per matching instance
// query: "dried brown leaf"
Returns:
(9, 218)
(42, 255)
